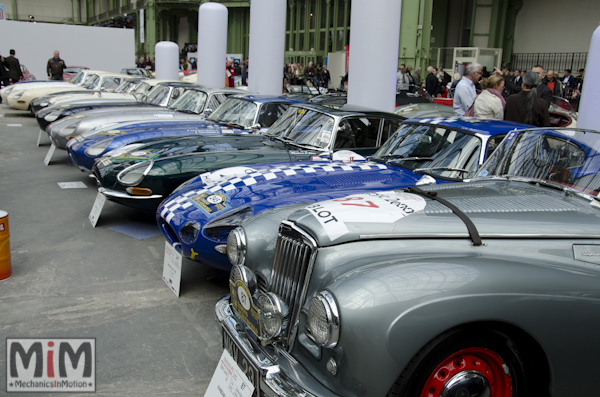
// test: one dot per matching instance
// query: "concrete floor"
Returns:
(71, 280)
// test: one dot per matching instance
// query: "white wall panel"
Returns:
(109, 49)
(556, 26)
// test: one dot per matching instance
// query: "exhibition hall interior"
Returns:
(318, 198)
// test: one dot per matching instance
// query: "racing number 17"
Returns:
(369, 204)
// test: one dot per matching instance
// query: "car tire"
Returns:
(470, 358)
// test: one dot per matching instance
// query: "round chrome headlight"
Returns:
(236, 246)
(132, 176)
(98, 148)
(323, 322)
(273, 311)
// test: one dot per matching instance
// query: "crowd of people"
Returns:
(295, 74)
(520, 96)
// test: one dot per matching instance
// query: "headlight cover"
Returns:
(133, 175)
(53, 115)
(323, 320)
(18, 95)
(236, 246)
(189, 232)
(98, 148)
(68, 130)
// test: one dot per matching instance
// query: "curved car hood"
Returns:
(495, 207)
(264, 186)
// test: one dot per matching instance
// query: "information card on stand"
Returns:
(229, 380)
(172, 268)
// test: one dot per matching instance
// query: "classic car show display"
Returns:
(419, 152)
(163, 94)
(20, 100)
(126, 90)
(166, 102)
(482, 288)
(236, 115)
(304, 131)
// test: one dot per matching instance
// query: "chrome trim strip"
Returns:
(114, 193)
(466, 236)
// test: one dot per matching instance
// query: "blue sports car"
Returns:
(198, 216)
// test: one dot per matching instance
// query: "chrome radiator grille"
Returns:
(292, 268)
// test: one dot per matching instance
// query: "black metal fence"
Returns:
(550, 61)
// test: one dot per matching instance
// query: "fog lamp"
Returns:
(273, 311)
(236, 246)
(323, 322)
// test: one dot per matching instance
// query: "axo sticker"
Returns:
(377, 207)
(211, 203)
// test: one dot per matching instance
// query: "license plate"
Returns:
(245, 363)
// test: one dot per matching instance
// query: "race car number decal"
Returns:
(376, 207)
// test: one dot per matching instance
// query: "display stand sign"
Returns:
(49, 155)
(172, 268)
(229, 380)
(97, 209)
(72, 185)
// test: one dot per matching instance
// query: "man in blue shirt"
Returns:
(465, 92)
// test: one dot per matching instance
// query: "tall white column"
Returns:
(589, 106)
(266, 50)
(166, 60)
(212, 44)
(373, 62)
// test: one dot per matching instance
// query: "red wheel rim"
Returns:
(479, 359)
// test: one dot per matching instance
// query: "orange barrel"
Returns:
(5, 271)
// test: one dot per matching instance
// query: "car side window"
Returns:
(389, 127)
(270, 112)
(357, 132)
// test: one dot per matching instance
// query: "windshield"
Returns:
(434, 150)
(567, 156)
(191, 101)
(157, 95)
(305, 127)
(126, 86)
(91, 82)
(412, 94)
(235, 111)
(78, 78)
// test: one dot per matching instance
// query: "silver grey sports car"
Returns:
(484, 288)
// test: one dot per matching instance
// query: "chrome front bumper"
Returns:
(273, 364)
(121, 195)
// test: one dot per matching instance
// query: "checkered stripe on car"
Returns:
(182, 201)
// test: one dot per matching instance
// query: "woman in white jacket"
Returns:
(490, 103)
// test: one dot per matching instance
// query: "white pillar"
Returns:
(266, 49)
(167, 60)
(212, 44)
(589, 105)
(373, 62)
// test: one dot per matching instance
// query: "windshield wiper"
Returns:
(185, 111)
(416, 158)
(234, 125)
(424, 170)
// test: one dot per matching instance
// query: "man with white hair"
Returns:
(465, 92)
(431, 82)
(417, 76)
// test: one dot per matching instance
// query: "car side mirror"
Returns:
(207, 112)
(256, 127)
